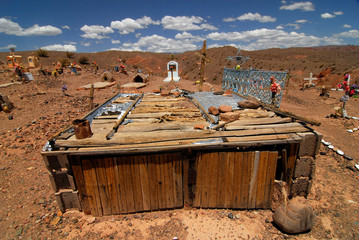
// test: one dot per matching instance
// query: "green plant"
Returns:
(84, 60)
(69, 54)
(42, 53)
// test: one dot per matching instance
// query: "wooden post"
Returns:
(204, 59)
(92, 91)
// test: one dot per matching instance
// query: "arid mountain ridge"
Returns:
(328, 63)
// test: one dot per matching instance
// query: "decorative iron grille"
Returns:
(254, 84)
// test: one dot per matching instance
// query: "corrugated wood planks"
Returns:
(242, 180)
(131, 183)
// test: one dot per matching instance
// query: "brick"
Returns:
(310, 143)
(68, 199)
(304, 167)
(229, 116)
(55, 162)
(300, 186)
(61, 180)
(213, 110)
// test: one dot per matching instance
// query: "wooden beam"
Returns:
(115, 127)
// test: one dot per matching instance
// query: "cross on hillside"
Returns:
(310, 79)
(204, 60)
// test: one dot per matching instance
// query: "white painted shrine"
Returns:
(172, 69)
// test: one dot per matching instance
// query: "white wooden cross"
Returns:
(310, 79)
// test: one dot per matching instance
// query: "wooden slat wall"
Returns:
(128, 184)
(241, 180)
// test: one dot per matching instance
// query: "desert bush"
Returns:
(42, 53)
(84, 60)
(69, 54)
(64, 62)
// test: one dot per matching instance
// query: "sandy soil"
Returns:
(29, 210)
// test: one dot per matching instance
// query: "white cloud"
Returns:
(9, 46)
(301, 21)
(338, 13)
(65, 27)
(11, 28)
(187, 35)
(272, 38)
(129, 25)
(159, 44)
(185, 23)
(115, 41)
(296, 26)
(95, 31)
(348, 34)
(304, 6)
(252, 17)
(86, 44)
(327, 15)
(347, 26)
(59, 47)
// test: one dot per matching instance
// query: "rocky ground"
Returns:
(29, 209)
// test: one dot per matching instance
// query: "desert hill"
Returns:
(329, 63)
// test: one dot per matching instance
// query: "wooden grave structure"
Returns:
(145, 154)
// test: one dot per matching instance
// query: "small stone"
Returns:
(91, 220)
(55, 221)
(229, 116)
(199, 126)
(10, 117)
(66, 234)
(213, 110)
(337, 215)
(347, 157)
(248, 104)
(230, 215)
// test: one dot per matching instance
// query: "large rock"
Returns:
(225, 108)
(295, 217)
(229, 116)
(248, 104)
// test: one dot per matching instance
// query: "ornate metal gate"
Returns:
(254, 83)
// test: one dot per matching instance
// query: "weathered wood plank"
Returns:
(237, 180)
(199, 182)
(222, 173)
(126, 167)
(247, 169)
(162, 114)
(253, 127)
(153, 182)
(169, 180)
(178, 179)
(120, 183)
(80, 183)
(185, 166)
(229, 179)
(271, 170)
(205, 158)
(145, 186)
(262, 170)
(102, 186)
(160, 180)
(136, 181)
(137, 138)
(92, 187)
(113, 188)
(213, 179)
(253, 181)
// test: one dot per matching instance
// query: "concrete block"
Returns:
(304, 167)
(55, 162)
(68, 199)
(300, 186)
(61, 180)
(310, 143)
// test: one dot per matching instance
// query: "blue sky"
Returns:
(175, 26)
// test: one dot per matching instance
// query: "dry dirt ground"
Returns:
(29, 209)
